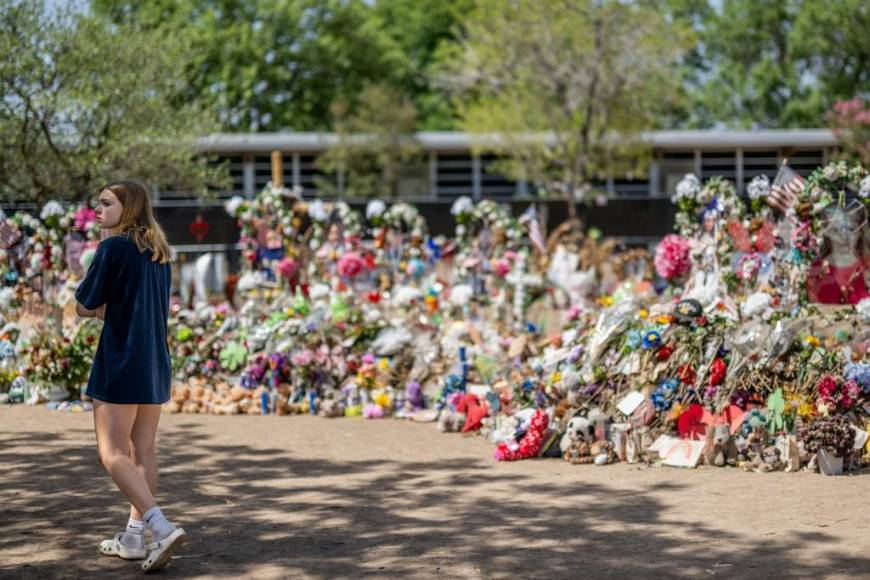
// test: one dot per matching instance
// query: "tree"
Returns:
(269, 65)
(83, 104)
(566, 85)
(419, 27)
(780, 63)
(373, 143)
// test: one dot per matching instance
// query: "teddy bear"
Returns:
(450, 419)
(720, 449)
(330, 407)
(581, 451)
(578, 428)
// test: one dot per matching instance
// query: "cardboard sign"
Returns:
(630, 402)
(678, 452)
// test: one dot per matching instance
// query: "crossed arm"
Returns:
(96, 313)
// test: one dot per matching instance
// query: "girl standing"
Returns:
(127, 286)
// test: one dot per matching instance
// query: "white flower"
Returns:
(864, 191)
(835, 171)
(460, 231)
(375, 208)
(462, 206)
(863, 309)
(687, 188)
(249, 281)
(65, 222)
(51, 208)
(7, 295)
(461, 294)
(232, 205)
(405, 295)
(705, 196)
(317, 211)
(756, 304)
(759, 187)
(319, 291)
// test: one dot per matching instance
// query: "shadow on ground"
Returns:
(253, 509)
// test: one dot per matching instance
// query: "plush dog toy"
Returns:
(474, 412)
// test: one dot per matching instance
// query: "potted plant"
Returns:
(832, 439)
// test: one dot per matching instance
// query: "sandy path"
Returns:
(273, 497)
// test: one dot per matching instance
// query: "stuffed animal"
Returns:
(583, 452)
(531, 443)
(450, 419)
(579, 428)
(474, 412)
(720, 450)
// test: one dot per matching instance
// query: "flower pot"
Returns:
(830, 464)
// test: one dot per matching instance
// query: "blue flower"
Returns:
(860, 373)
(662, 396)
(652, 339)
(635, 337)
(7, 350)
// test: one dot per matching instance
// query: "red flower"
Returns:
(686, 374)
(374, 297)
(701, 321)
(827, 387)
(665, 352)
(717, 372)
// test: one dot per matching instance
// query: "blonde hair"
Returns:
(137, 219)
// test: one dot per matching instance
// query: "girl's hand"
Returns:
(100, 312)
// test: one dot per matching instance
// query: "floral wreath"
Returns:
(470, 218)
(324, 214)
(272, 207)
(694, 201)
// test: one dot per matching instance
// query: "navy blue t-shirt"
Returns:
(132, 363)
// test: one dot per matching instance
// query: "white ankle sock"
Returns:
(134, 535)
(158, 524)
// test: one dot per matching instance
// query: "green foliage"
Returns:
(778, 63)
(271, 65)
(84, 104)
(374, 143)
(584, 76)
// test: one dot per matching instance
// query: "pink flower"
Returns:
(748, 266)
(802, 237)
(502, 268)
(350, 265)
(287, 267)
(827, 387)
(574, 313)
(672, 259)
(302, 358)
(84, 217)
(849, 394)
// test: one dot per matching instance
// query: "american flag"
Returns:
(536, 236)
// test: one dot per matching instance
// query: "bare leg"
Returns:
(143, 449)
(114, 425)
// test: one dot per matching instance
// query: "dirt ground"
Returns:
(288, 497)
